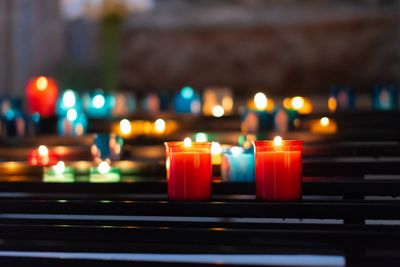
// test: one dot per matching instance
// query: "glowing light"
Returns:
(72, 114)
(98, 101)
(260, 101)
(43, 151)
(287, 103)
(69, 99)
(324, 121)
(216, 148)
(236, 150)
(159, 125)
(59, 168)
(104, 167)
(187, 92)
(201, 137)
(125, 126)
(42, 83)
(187, 142)
(218, 111)
(297, 102)
(278, 141)
(332, 104)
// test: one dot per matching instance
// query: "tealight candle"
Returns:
(323, 126)
(42, 157)
(104, 173)
(278, 166)
(187, 101)
(98, 104)
(237, 165)
(189, 170)
(59, 173)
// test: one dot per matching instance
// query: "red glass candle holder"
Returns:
(278, 170)
(36, 158)
(189, 170)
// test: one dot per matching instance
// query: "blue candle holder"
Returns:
(284, 120)
(14, 121)
(151, 103)
(237, 165)
(342, 98)
(73, 123)
(187, 101)
(68, 100)
(254, 121)
(107, 147)
(98, 104)
(385, 97)
(125, 104)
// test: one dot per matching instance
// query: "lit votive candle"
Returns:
(104, 173)
(237, 165)
(189, 170)
(42, 157)
(258, 115)
(323, 126)
(278, 166)
(58, 173)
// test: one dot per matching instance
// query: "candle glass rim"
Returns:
(180, 144)
(285, 143)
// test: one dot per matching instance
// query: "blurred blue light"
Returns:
(187, 92)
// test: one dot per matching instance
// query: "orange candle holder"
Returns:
(278, 166)
(189, 170)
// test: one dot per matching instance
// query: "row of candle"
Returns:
(42, 98)
(277, 165)
(102, 173)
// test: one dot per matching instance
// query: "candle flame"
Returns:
(278, 141)
(43, 151)
(159, 125)
(187, 142)
(125, 126)
(104, 167)
(324, 121)
(218, 111)
(42, 83)
(297, 102)
(260, 101)
(59, 168)
(216, 148)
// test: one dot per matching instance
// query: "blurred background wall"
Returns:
(284, 46)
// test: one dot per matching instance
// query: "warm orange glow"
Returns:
(42, 83)
(332, 104)
(323, 126)
(287, 103)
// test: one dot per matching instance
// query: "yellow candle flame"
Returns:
(187, 142)
(125, 126)
(216, 148)
(104, 167)
(324, 121)
(41, 83)
(43, 151)
(278, 141)
(297, 102)
(159, 125)
(260, 101)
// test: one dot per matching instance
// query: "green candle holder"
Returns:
(59, 174)
(104, 173)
